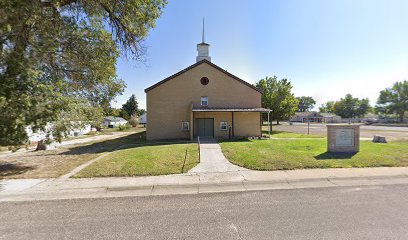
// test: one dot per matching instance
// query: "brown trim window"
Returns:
(223, 125)
(204, 101)
(185, 126)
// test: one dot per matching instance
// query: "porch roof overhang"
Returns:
(202, 109)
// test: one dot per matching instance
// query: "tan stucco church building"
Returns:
(203, 100)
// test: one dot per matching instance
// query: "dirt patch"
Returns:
(57, 162)
(47, 164)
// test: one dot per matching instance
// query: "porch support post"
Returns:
(269, 125)
(260, 122)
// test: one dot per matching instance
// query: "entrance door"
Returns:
(205, 127)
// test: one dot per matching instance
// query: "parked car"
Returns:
(369, 121)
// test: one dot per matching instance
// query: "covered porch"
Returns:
(226, 123)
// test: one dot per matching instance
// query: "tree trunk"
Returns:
(41, 146)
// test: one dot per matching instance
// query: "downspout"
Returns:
(233, 127)
(191, 122)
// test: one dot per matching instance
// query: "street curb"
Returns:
(129, 188)
(200, 188)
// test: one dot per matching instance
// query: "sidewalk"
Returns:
(212, 159)
(197, 183)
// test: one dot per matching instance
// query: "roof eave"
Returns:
(196, 64)
(231, 110)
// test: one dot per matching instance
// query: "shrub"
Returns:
(124, 126)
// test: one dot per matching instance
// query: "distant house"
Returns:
(112, 122)
(330, 118)
(41, 135)
(143, 119)
(315, 117)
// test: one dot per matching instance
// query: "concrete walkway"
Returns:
(198, 183)
(213, 160)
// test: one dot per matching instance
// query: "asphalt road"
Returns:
(366, 131)
(375, 212)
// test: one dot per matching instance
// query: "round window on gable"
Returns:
(204, 80)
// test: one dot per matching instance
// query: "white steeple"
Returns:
(203, 49)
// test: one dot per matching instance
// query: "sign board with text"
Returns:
(343, 138)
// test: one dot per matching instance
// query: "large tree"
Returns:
(328, 107)
(58, 57)
(278, 97)
(305, 103)
(131, 106)
(394, 100)
(350, 107)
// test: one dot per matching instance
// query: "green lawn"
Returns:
(146, 159)
(311, 153)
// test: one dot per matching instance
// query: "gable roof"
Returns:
(328, 114)
(205, 109)
(114, 119)
(195, 65)
(307, 114)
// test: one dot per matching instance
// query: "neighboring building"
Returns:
(203, 100)
(330, 118)
(301, 116)
(112, 122)
(41, 135)
(142, 119)
(315, 117)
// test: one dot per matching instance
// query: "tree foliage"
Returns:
(349, 107)
(394, 100)
(123, 114)
(141, 111)
(305, 103)
(131, 106)
(328, 107)
(58, 57)
(278, 97)
(115, 112)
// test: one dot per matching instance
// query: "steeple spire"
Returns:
(203, 40)
(203, 48)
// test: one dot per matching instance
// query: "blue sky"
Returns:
(326, 48)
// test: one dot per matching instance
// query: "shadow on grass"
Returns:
(130, 141)
(328, 155)
(273, 132)
(243, 139)
(8, 169)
